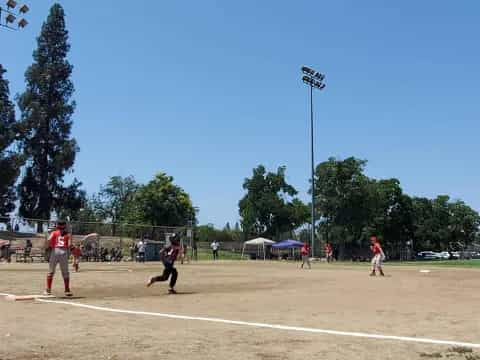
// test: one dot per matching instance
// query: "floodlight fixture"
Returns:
(10, 18)
(9, 14)
(306, 70)
(11, 4)
(22, 23)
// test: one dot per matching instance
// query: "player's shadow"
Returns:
(70, 297)
(182, 293)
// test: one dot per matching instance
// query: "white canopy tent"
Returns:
(257, 242)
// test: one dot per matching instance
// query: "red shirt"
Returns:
(76, 251)
(57, 240)
(328, 249)
(305, 250)
(376, 248)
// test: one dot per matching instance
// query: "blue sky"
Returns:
(207, 90)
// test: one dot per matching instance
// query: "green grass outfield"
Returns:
(206, 254)
(474, 263)
(467, 264)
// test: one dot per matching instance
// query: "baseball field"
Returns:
(243, 310)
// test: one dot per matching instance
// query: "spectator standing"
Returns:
(133, 251)
(194, 251)
(141, 246)
(28, 249)
(215, 245)
(184, 254)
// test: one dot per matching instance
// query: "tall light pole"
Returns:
(9, 15)
(314, 79)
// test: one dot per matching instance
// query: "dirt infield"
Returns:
(442, 305)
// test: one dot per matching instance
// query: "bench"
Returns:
(33, 255)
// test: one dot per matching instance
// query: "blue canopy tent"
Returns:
(287, 244)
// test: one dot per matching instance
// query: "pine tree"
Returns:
(10, 161)
(47, 109)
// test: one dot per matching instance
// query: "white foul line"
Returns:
(269, 326)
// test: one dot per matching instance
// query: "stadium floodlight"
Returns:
(24, 9)
(307, 71)
(10, 18)
(314, 79)
(12, 4)
(319, 77)
(8, 15)
(22, 23)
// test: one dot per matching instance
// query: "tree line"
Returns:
(350, 207)
(37, 150)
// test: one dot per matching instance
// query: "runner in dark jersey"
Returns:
(168, 255)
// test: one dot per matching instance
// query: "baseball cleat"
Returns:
(150, 281)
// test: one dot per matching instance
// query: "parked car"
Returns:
(444, 255)
(455, 255)
(428, 255)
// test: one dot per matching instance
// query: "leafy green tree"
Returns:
(208, 233)
(353, 206)
(441, 224)
(114, 200)
(10, 161)
(423, 224)
(464, 225)
(162, 203)
(390, 215)
(342, 194)
(269, 207)
(46, 120)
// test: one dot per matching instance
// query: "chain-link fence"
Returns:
(98, 241)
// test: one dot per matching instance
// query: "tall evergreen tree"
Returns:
(10, 161)
(47, 109)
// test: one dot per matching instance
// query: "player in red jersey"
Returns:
(77, 253)
(378, 256)
(328, 252)
(58, 245)
(168, 255)
(305, 252)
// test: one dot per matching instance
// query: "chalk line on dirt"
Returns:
(269, 326)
